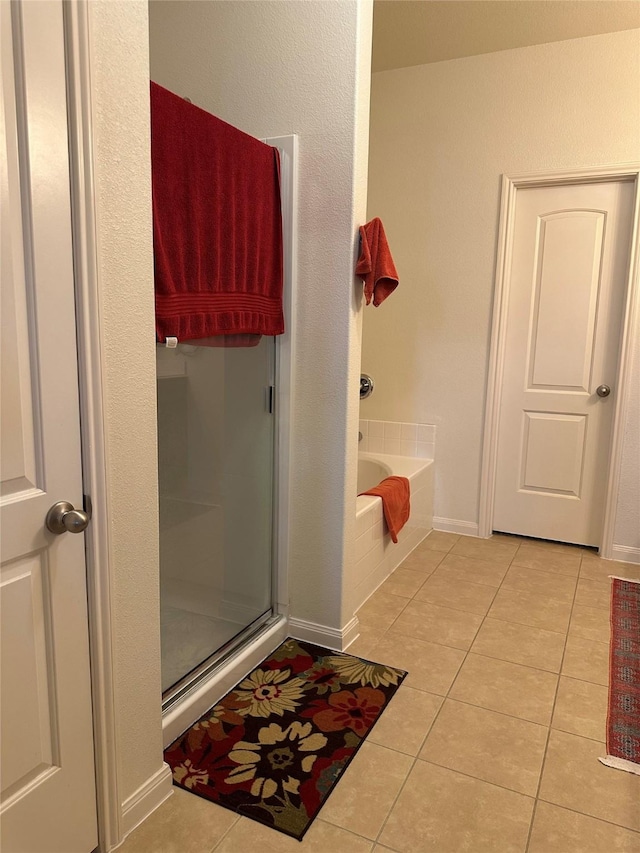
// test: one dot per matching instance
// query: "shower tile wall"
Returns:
(398, 439)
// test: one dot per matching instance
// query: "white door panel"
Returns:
(47, 770)
(566, 292)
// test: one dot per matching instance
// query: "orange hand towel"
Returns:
(396, 504)
(375, 264)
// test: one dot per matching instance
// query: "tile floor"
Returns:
(491, 744)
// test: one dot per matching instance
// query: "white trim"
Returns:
(628, 345)
(452, 525)
(350, 632)
(285, 367)
(146, 799)
(496, 361)
(510, 185)
(322, 635)
(625, 554)
(204, 696)
(94, 453)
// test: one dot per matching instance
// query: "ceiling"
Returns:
(414, 32)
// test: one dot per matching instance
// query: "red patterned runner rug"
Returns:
(623, 719)
(274, 747)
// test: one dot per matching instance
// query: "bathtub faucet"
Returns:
(366, 386)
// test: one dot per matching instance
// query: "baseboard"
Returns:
(146, 799)
(323, 635)
(625, 554)
(452, 525)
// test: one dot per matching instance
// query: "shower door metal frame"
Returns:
(208, 667)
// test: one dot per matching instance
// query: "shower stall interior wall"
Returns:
(216, 472)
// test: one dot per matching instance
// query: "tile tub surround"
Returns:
(398, 439)
(376, 556)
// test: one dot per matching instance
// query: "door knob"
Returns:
(63, 518)
(603, 390)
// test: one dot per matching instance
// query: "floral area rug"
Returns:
(273, 748)
(623, 719)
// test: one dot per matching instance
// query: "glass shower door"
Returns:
(216, 463)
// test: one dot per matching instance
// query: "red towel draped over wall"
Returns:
(217, 225)
(375, 263)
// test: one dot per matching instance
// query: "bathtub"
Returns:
(376, 556)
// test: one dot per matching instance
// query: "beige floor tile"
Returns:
(533, 557)
(497, 550)
(184, 823)
(381, 609)
(438, 540)
(364, 795)
(530, 608)
(471, 570)
(594, 568)
(590, 623)
(548, 545)
(364, 646)
(431, 667)
(403, 582)
(557, 830)
(574, 778)
(488, 746)
(321, 837)
(459, 595)
(581, 708)
(556, 586)
(443, 811)
(437, 624)
(586, 660)
(593, 594)
(520, 644)
(423, 561)
(380, 849)
(406, 720)
(506, 687)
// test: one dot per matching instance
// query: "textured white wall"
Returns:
(299, 67)
(441, 136)
(120, 89)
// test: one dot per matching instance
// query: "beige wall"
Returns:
(273, 69)
(120, 91)
(441, 136)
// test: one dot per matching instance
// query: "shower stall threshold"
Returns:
(188, 700)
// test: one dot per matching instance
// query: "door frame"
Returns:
(100, 595)
(510, 186)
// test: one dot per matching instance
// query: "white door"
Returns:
(567, 282)
(48, 800)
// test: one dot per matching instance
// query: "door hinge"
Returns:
(271, 398)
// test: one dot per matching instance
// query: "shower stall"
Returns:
(224, 421)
